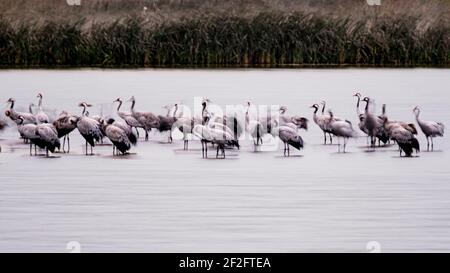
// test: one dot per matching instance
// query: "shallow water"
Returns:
(163, 199)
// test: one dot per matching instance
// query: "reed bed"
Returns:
(207, 40)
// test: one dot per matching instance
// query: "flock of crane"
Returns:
(220, 131)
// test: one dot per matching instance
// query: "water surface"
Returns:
(163, 199)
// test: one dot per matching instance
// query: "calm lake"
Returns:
(161, 198)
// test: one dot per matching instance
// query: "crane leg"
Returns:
(31, 147)
(68, 143)
(331, 138)
(64, 144)
(35, 149)
(339, 145)
(86, 148)
(203, 149)
(146, 135)
(324, 138)
(432, 144)
(217, 152)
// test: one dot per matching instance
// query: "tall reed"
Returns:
(266, 38)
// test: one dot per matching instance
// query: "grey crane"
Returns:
(186, 126)
(122, 125)
(127, 117)
(118, 137)
(64, 125)
(166, 122)
(360, 114)
(300, 122)
(41, 117)
(380, 133)
(373, 124)
(89, 128)
(404, 138)
(341, 128)
(14, 115)
(49, 136)
(430, 129)
(215, 133)
(389, 124)
(322, 122)
(254, 128)
(29, 132)
(289, 135)
(146, 120)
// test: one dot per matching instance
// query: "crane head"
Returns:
(21, 120)
(84, 104)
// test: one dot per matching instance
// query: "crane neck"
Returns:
(84, 111)
(323, 107)
(417, 113)
(118, 106)
(133, 102)
(175, 111)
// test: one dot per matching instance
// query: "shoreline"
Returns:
(221, 67)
